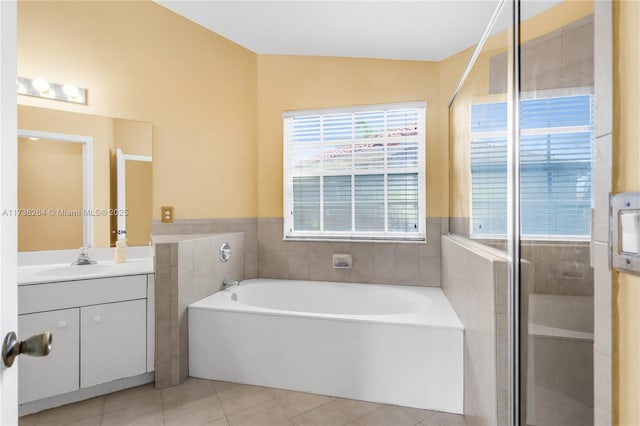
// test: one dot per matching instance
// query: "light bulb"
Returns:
(71, 90)
(40, 84)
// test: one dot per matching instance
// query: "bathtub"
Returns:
(390, 344)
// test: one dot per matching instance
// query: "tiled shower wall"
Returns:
(474, 278)
(378, 262)
(602, 186)
(560, 267)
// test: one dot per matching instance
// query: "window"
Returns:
(556, 150)
(355, 173)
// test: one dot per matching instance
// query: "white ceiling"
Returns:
(427, 30)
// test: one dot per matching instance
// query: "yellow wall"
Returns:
(142, 62)
(49, 177)
(133, 137)
(293, 82)
(204, 96)
(626, 178)
(101, 129)
(138, 200)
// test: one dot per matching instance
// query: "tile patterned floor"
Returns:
(211, 403)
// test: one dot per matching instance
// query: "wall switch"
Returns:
(342, 261)
(166, 214)
(624, 229)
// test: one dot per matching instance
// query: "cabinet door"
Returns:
(113, 342)
(42, 377)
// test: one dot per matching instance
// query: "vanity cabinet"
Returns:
(113, 341)
(58, 372)
(100, 333)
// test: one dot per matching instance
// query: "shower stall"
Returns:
(526, 212)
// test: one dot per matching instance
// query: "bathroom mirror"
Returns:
(133, 177)
(54, 189)
(57, 211)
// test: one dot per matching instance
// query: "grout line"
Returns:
(104, 399)
(321, 405)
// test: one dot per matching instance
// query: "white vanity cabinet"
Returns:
(58, 372)
(113, 341)
(100, 328)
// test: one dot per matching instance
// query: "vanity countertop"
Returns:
(38, 274)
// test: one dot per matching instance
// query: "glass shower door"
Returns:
(555, 143)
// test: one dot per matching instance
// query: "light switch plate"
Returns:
(166, 214)
(624, 228)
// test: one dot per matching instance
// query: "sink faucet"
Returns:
(226, 283)
(83, 257)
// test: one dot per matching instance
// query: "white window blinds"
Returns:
(556, 150)
(355, 173)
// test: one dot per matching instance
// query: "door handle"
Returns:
(36, 345)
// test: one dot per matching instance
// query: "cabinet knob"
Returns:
(62, 324)
(96, 318)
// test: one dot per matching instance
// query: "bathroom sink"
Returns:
(75, 270)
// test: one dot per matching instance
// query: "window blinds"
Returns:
(556, 150)
(355, 173)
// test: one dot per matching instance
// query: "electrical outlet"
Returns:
(166, 214)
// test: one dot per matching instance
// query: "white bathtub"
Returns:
(391, 344)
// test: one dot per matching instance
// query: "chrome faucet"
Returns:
(83, 257)
(226, 283)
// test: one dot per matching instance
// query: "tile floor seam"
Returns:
(104, 400)
(321, 405)
(249, 408)
(162, 406)
(214, 389)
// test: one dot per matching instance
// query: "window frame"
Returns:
(289, 234)
(526, 96)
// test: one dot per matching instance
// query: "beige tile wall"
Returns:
(559, 59)
(460, 226)
(474, 278)
(187, 271)
(602, 186)
(380, 263)
(560, 268)
(249, 226)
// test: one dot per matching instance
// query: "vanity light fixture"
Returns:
(41, 88)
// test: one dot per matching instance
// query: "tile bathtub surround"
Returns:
(186, 271)
(374, 263)
(460, 226)
(474, 278)
(249, 226)
(200, 402)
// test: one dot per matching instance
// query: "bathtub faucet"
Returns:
(226, 283)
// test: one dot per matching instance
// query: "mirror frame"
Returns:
(87, 174)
